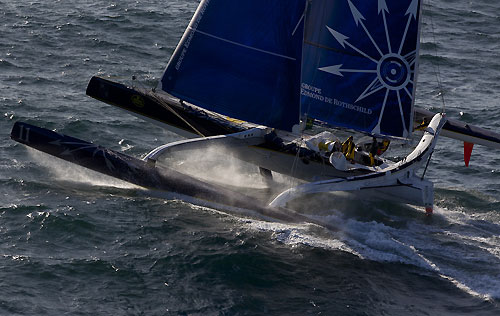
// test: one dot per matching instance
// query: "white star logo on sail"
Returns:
(393, 71)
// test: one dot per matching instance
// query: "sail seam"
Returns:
(242, 45)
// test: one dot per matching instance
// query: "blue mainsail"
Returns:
(359, 64)
(242, 58)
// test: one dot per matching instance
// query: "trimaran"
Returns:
(255, 75)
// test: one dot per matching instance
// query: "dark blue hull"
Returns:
(137, 171)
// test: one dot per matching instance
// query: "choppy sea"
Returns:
(75, 243)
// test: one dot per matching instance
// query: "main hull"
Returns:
(398, 182)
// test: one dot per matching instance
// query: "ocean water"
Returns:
(75, 243)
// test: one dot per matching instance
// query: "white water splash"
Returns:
(218, 165)
(451, 245)
(66, 171)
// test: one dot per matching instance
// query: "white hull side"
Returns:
(397, 183)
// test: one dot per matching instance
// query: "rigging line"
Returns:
(296, 160)
(297, 156)
(436, 65)
(169, 108)
(427, 165)
(298, 23)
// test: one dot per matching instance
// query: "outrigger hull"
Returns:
(190, 121)
(164, 110)
(139, 172)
